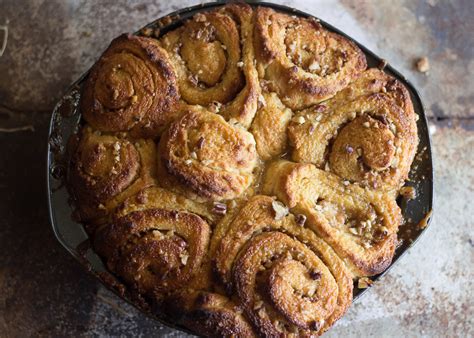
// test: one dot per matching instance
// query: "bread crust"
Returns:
(239, 172)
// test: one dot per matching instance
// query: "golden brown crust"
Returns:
(303, 62)
(248, 261)
(374, 81)
(156, 251)
(359, 224)
(269, 127)
(210, 314)
(207, 158)
(187, 132)
(131, 88)
(106, 169)
(156, 197)
(214, 66)
(365, 134)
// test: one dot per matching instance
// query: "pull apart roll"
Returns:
(213, 57)
(206, 158)
(288, 280)
(132, 88)
(157, 243)
(360, 225)
(209, 314)
(105, 169)
(366, 134)
(301, 61)
(155, 251)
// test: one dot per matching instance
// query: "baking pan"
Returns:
(66, 118)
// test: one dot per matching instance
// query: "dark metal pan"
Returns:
(66, 118)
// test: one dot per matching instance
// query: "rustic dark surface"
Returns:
(44, 292)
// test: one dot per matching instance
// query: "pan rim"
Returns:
(180, 16)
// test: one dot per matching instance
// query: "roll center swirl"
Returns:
(208, 157)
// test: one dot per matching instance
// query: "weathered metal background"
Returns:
(44, 292)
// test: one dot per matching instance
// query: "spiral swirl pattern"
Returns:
(156, 250)
(360, 225)
(207, 157)
(106, 169)
(287, 278)
(209, 314)
(181, 171)
(131, 88)
(214, 68)
(304, 63)
(365, 134)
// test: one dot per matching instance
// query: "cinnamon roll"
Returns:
(287, 279)
(373, 81)
(360, 225)
(106, 169)
(367, 133)
(131, 88)
(205, 157)
(210, 314)
(301, 61)
(213, 57)
(155, 251)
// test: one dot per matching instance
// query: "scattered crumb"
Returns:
(207, 162)
(258, 305)
(300, 219)
(184, 258)
(215, 106)
(314, 66)
(366, 245)
(219, 208)
(280, 210)
(423, 65)
(424, 222)
(408, 192)
(383, 63)
(147, 31)
(261, 100)
(364, 283)
(299, 119)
